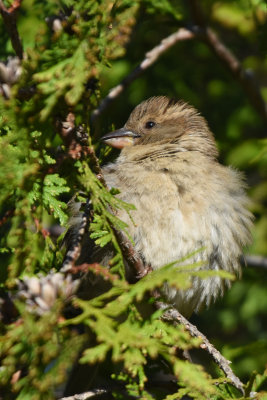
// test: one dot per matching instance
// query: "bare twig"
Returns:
(245, 77)
(173, 315)
(86, 395)
(9, 17)
(255, 261)
(133, 259)
(150, 58)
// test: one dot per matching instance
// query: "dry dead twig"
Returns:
(173, 315)
(150, 58)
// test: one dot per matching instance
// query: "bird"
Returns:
(184, 199)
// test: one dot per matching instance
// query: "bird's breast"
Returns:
(182, 206)
(164, 216)
(193, 205)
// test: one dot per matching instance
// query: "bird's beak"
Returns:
(121, 138)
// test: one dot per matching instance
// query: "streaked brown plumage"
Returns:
(184, 198)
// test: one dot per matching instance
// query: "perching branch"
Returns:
(136, 263)
(9, 17)
(173, 315)
(150, 58)
(133, 259)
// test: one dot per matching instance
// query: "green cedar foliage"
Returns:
(39, 175)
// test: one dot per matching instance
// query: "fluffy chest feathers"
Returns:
(183, 206)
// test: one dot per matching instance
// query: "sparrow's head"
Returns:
(172, 125)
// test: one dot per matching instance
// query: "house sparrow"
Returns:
(185, 200)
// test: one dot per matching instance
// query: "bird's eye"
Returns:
(150, 124)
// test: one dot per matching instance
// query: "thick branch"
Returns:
(150, 58)
(174, 315)
(9, 17)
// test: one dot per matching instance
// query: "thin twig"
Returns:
(245, 77)
(86, 395)
(9, 17)
(173, 315)
(255, 261)
(132, 258)
(150, 58)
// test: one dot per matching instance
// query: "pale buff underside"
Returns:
(204, 206)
